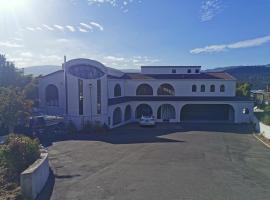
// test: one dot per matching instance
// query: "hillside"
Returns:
(258, 76)
(41, 70)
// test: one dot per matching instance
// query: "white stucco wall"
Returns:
(239, 116)
(181, 87)
(56, 79)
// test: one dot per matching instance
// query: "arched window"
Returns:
(222, 88)
(212, 88)
(143, 110)
(117, 116)
(202, 88)
(194, 88)
(51, 95)
(144, 89)
(117, 90)
(166, 89)
(128, 113)
(166, 112)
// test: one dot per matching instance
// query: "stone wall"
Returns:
(34, 178)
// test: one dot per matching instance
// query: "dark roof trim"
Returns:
(168, 66)
(118, 100)
(61, 70)
(200, 76)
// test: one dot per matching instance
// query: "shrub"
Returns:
(17, 154)
(71, 128)
(91, 127)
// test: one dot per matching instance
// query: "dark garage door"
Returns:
(205, 112)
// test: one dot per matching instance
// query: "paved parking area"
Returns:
(187, 162)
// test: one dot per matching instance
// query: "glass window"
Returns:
(166, 89)
(51, 95)
(194, 88)
(222, 88)
(80, 89)
(197, 71)
(85, 71)
(117, 90)
(189, 71)
(144, 89)
(212, 88)
(173, 71)
(98, 96)
(202, 88)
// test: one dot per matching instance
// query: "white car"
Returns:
(147, 121)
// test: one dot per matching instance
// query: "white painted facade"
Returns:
(74, 92)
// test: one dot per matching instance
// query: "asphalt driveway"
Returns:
(187, 162)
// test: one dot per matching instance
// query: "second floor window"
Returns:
(212, 88)
(222, 88)
(202, 88)
(117, 90)
(194, 88)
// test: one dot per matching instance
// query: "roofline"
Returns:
(61, 70)
(170, 66)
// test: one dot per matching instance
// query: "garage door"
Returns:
(207, 112)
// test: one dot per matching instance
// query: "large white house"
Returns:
(86, 90)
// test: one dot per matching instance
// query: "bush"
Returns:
(71, 128)
(17, 154)
(91, 127)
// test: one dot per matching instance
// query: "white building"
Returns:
(86, 90)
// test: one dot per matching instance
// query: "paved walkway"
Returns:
(189, 162)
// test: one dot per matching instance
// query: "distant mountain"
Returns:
(258, 76)
(41, 69)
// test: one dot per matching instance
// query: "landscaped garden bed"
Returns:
(16, 154)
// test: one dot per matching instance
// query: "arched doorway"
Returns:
(143, 110)
(117, 116)
(207, 113)
(128, 113)
(166, 112)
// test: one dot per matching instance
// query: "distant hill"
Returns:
(41, 70)
(258, 76)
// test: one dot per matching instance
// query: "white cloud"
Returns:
(120, 4)
(27, 54)
(113, 58)
(97, 25)
(71, 28)
(237, 45)
(82, 30)
(39, 28)
(30, 29)
(209, 9)
(61, 28)
(48, 27)
(86, 26)
(62, 40)
(9, 44)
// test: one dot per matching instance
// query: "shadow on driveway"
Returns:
(133, 133)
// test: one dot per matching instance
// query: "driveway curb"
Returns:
(267, 145)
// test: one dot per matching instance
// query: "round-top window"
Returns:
(86, 71)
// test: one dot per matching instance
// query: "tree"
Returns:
(14, 107)
(243, 89)
(11, 76)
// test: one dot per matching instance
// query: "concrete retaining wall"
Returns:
(262, 128)
(34, 178)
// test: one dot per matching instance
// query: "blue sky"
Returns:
(131, 33)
